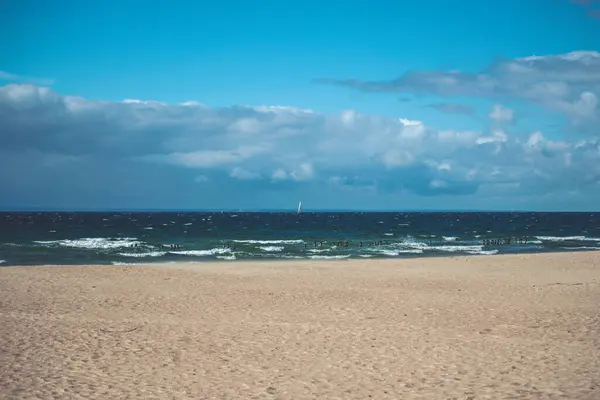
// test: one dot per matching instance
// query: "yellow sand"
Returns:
(485, 327)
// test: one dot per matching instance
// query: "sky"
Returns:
(361, 105)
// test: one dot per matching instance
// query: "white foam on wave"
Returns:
(230, 257)
(210, 252)
(141, 255)
(449, 238)
(269, 241)
(563, 238)
(483, 252)
(319, 250)
(2, 261)
(149, 228)
(124, 263)
(454, 249)
(401, 251)
(394, 252)
(582, 248)
(388, 234)
(411, 244)
(271, 248)
(339, 257)
(93, 243)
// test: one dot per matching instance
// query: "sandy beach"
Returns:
(482, 327)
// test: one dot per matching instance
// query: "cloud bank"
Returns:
(67, 151)
(565, 83)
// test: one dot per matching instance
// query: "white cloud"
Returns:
(304, 172)
(565, 82)
(243, 174)
(208, 158)
(146, 146)
(501, 114)
(279, 175)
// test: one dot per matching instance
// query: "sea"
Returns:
(129, 238)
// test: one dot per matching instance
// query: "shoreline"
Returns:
(290, 260)
(501, 326)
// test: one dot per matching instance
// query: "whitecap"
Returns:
(93, 243)
(563, 238)
(454, 249)
(320, 250)
(271, 248)
(339, 257)
(269, 241)
(483, 252)
(124, 263)
(209, 252)
(141, 255)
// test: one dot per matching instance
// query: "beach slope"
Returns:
(482, 327)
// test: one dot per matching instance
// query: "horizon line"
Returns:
(268, 210)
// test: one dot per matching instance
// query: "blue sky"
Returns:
(355, 105)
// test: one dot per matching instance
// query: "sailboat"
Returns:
(299, 207)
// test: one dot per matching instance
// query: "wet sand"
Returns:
(482, 327)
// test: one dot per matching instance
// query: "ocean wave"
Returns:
(294, 241)
(210, 252)
(388, 234)
(563, 238)
(411, 244)
(338, 257)
(450, 238)
(454, 249)
(141, 255)
(582, 248)
(401, 251)
(2, 261)
(124, 263)
(230, 257)
(394, 252)
(93, 243)
(483, 252)
(319, 250)
(271, 248)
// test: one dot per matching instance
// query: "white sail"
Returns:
(299, 207)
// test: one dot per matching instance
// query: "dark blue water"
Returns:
(114, 238)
